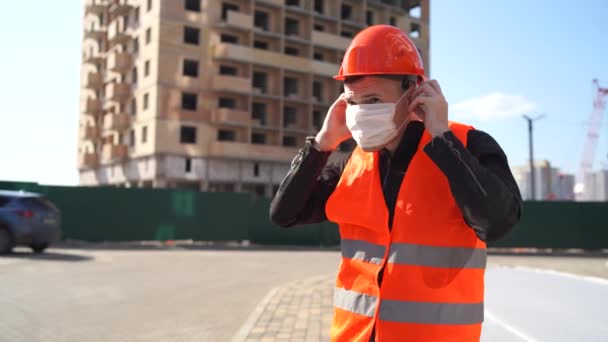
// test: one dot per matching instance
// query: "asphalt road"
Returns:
(206, 295)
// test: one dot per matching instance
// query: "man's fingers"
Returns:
(425, 89)
(418, 102)
(436, 87)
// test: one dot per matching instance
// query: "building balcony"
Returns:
(239, 20)
(92, 57)
(324, 68)
(92, 106)
(118, 91)
(89, 133)
(227, 115)
(95, 33)
(329, 40)
(88, 160)
(120, 7)
(116, 121)
(112, 153)
(93, 80)
(276, 3)
(118, 33)
(234, 83)
(251, 151)
(261, 57)
(95, 6)
(120, 62)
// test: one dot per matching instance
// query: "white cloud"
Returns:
(492, 106)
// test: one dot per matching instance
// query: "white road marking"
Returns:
(490, 316)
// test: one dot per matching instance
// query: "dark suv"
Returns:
(27, 219)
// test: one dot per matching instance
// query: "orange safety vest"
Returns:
(433, 281)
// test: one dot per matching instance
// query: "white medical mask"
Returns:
(373, 125)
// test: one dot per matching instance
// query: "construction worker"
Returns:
(416, 201)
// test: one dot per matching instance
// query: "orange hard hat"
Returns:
(381, 50)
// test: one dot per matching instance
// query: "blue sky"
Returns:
(493, 59)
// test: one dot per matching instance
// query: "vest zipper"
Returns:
(386, 253)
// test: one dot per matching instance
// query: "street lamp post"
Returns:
(531, 146)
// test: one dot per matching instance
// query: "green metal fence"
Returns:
(118, 214)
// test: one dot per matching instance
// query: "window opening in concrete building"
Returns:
(134, 75)
(146, 100)
(228, 7)
(188, 165)
(318, 56)
(135, 45)
(317, 90)
(392, 21)
(369, 18)
(133, 107)
(149, 7)
(191, 35)
(414, 30)
(317, 119)
(226, 135)
(258, 112)
(193, 5)
(190, 68)
(226, 102)
(147, 68)
(260, 81)
(289, 116)
(187, 135)
(346, 12)
(256, 170)
(258, 138)
(319, 8)
(292, 27)
(260, 20)
(189, 101)
(229, 38)
(258, 44)
(415, 12)
(144, 134)
(292, 51)
(289, 141)
(148, 36)
(228, 70)
(319, 27)
(132, 138)
(290, 86)
(292, 2)
(346, 34)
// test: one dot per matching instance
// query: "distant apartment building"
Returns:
(215, 95)
(550, 183)
(596, 186)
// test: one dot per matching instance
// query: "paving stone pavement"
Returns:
(300, 311)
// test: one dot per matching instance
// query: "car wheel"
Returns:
(6, 241)
(39, 248)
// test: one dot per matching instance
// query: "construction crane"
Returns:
(595, 124)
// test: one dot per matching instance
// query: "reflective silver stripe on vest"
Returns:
(356, 302)
(434, 256)
(431, 313)
(361, 250)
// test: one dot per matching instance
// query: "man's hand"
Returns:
(430, 105)
(334, 130)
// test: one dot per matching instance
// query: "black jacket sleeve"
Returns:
(302, 195)
(481, 182)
